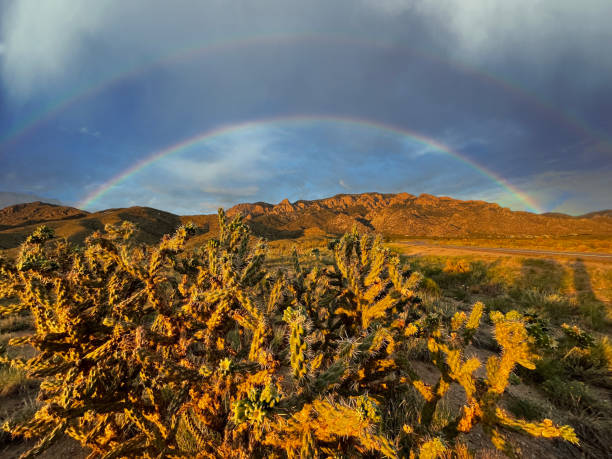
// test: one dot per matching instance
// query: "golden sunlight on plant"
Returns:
(154, 352)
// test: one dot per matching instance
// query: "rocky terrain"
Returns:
(408, 215)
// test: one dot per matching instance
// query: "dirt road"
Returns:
(511, 251)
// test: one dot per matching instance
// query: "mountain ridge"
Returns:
(598, 214)
(370, 200)
(9, 198)
(402, 215)
(423, 215)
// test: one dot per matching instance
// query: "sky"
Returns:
(191, 105)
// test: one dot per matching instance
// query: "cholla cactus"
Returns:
(297, 345)
(152, 352)
(256, 406)
(482, 396)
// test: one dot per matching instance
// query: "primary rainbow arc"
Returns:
(208, 135)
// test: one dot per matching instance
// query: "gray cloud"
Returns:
(46, 40)
(489, 26)
(499, 81)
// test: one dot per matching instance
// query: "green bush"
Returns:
(570, 395)
(525, 409)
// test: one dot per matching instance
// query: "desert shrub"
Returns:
(503, 303)
(430, 287)
(601, 353)
(538, 329)
(570, 395)
(457, 266)
(479, 275)
(575, 355)
(576, 337)
(153, 352)
(556, 306)
(460, 293)
(543, 275)
(594, 313)
(595, 427)
(487, 288)
(585, 357)
(428, 266)
(12, 380)
(526, 409)
(548, 367)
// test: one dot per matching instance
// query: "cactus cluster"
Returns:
(149, 351)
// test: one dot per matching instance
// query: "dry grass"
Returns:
(595, 244)
(12, 381)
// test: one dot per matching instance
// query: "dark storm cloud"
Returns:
(522, 89)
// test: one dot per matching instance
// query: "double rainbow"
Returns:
(67, 100)
(211, 134)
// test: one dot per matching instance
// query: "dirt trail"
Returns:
(510, 251)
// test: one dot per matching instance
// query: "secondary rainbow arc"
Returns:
(65, 102)
(210, 134)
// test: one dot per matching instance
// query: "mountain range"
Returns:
(397, 215)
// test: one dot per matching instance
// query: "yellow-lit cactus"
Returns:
(152, 352)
